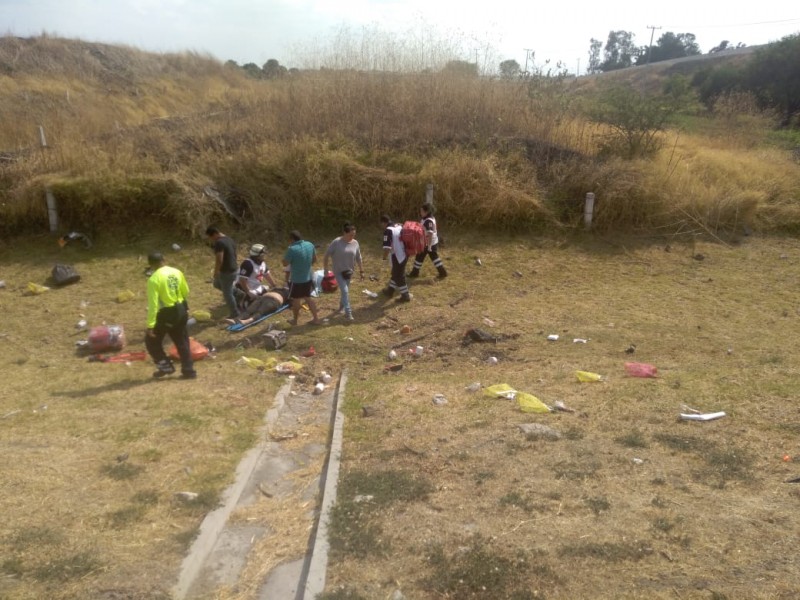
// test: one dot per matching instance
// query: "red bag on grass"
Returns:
(634, 369)
(198, 350)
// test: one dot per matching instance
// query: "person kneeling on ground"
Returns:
(263, 305)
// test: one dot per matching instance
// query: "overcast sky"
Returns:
(256, 30)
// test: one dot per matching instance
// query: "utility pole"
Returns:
(527, 54)
(650, 49)
(578, 70)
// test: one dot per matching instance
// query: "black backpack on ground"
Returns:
(64, 275)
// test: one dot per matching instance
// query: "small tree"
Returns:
(636, 121)
(509, 69)
(253, 70)
(273, 69)
(595, 46)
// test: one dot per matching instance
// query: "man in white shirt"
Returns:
(393, 246)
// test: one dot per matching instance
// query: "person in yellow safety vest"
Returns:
(167, 313)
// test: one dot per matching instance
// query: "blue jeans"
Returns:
(225, 283)
(344, 291)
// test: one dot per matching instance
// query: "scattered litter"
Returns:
(393, 368)
(439, 399)
(325, 378)
(787, 458)
(201, 315)
(11, 414)
(106, 337)
(125, 296)
(417, 351)
(478, 262)
(186, 496)
(392, 355)
(702, 416)
(630, 349)
(191, 321)
(176, 247)
(369, 293)
(473, 387)
(82, 343)
(373, 278)
(319, 388)
(81, 325)
(488, 321)
(526, 402)
(688, 409)
(561, 407)
(634, 369)
(349, 339)
(580, 341)
(553, 337)
(125, 357)
(537, 431)
(586, 376)
(288, 367)
(730, 351)
(405, 329)
(256, 363)
(359, 498)
(197, 349)
(34, 289)
(2, 284)
(492, 360)
(309, 353)
(638, 461)
(74, 236)
(64, 275)
(479, 335)
(517, 274)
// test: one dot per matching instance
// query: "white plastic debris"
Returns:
(81, 325)
(319, 388)
(492, 360)
(369, 293)
(439, 399)
(638, 461)
(553, 337)
(176, 247)
(702, 416)
(392, 355)
(326, 378)
(473, 387)
(579, 341)
(186, 496)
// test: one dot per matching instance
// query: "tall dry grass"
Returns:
(130, 132)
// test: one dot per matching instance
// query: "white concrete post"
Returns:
(429, 193)
(588, 210)
(42, 139)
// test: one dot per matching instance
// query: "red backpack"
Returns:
(413, 237)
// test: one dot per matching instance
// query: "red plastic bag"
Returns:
(634, 369)
(198, 350)
(106, 337)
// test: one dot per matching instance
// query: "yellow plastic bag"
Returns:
(531, 404)
(499, 390)
(35, 289)
(257, 363)
(586, 376)
(201, 315)
(125, 296)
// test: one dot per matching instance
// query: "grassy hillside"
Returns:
(164, 137)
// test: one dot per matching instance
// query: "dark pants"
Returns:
(398, 281)
(434, 254)
(171, 321)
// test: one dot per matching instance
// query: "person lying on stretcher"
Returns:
(262, 305)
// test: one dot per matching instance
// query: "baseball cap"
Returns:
(257, 249)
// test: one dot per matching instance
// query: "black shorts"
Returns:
(300, 290)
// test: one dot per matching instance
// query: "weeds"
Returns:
(632, 439)
(607, 552)
(121, 471)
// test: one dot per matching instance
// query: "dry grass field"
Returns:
(464, 505)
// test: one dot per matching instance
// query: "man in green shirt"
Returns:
(167, 313)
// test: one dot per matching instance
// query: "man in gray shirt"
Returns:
(345, 254)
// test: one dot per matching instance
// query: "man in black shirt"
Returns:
(226, 267)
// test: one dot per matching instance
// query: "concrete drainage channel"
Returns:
(220, 553)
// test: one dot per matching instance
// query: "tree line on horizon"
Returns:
(620, 50)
